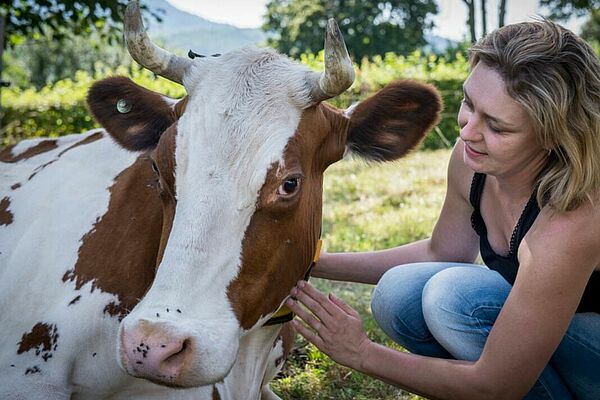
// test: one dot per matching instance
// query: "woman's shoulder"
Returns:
(575, 232)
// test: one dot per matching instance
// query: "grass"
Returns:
(366, 207)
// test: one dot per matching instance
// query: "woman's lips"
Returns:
(472, 153)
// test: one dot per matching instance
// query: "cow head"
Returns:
(240, 162)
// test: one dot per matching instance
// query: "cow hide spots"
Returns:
(6, 217)
(118, 255)
(7, 155)
(43, 339)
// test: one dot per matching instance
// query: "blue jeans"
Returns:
(448, 309)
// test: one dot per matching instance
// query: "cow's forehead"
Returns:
(243, 108)
(244, 79)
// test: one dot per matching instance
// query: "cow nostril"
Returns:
(178, 357)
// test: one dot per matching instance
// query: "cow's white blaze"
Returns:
(243, 109)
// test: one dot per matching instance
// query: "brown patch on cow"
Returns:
(15, 186)
(118, 255)
(116, 310)
(43, 339)
(215, 393)
(40, 148)
(280, 240)
(6, 217)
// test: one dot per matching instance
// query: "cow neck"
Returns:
(284, 314)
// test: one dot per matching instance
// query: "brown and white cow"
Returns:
(159, 246)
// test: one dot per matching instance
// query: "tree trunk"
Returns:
(471, 19)
(501, 13)
(483, 19)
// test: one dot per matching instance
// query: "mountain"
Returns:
(182, 31)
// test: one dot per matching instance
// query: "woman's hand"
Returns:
(333, 326)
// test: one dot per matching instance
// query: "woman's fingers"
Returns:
(313, 321)
(308, 334)
(314, 300)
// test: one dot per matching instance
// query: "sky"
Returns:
(450, 21)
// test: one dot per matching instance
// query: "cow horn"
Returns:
(339, 72)
(146, 53)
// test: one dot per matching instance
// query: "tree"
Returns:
(471, 19)
(564, 9)
(56, 20)
(370, 27)
(590, 30)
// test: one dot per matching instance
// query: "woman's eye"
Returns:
(289, 187)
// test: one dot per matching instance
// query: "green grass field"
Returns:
(366, 207)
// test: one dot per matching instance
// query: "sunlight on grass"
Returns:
(366, 207)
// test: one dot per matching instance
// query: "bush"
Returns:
(60, 109)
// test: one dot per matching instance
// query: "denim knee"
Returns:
(396, 306)
(460, 306)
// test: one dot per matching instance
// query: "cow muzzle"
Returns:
(164, 353)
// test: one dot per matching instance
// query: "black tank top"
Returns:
(508, 265)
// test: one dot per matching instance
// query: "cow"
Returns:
(150, 258)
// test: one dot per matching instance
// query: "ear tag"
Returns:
(123, 106)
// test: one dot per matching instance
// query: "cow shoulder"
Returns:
(134, 116)
(394, 120)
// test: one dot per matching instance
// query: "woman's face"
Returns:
(497, 132)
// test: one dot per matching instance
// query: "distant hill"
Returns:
(183, 31)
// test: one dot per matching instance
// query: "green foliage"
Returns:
(58, 19)
(44, 60)
(59, 109)
(27, 18)
(369, 27)
(366, 207)
(590, 30)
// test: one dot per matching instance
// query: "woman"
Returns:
(524, 190)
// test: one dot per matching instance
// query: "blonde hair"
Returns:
(555, 76)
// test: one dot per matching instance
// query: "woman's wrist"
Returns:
(365, 355)
(321, 268)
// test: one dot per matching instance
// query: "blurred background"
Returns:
(54, 50)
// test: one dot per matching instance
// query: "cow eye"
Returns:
(289, 187)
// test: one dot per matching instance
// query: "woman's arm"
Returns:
(557, 258)
(453, 238)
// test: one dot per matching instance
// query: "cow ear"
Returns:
(134, 116)
(393, 121)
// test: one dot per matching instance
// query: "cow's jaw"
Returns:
(185, 332)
